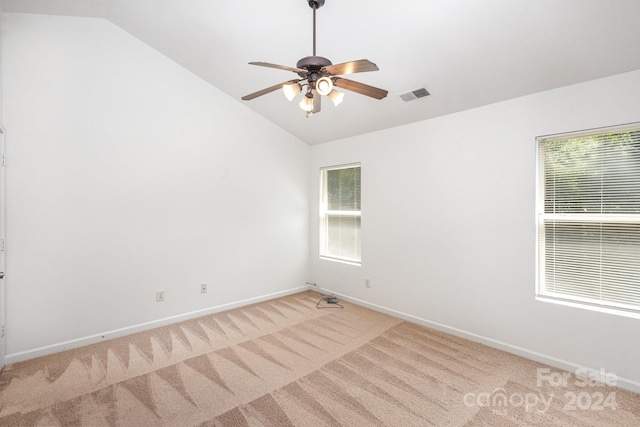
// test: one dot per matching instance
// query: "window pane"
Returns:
(593, 260)
(343, 236)
(343, 189)
(593, 174)
(589, 213)
(621, 174)
(340, 213)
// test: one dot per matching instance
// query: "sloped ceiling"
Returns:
(467, 53)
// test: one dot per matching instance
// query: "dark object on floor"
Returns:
(331, 299)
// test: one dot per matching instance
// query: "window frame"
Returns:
(541, 292)
(325, 214)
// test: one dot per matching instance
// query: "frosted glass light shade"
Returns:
(291, 90)
(336, 97)
(324, 86)
(307, 103)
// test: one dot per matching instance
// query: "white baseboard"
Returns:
(117, 333)
(623, 383)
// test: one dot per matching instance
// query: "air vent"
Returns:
(414, 94)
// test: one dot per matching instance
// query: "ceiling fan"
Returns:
(320, 76)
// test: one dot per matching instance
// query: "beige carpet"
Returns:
(285, 363)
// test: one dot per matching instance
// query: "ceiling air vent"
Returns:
(414, 94)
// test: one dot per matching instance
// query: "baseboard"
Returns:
(117, 333)
(623, 383)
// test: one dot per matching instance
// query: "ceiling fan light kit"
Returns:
(291, 90)
(320, 77)
(336, 97)
(324, 86)
(307, 103)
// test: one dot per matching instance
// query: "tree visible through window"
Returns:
(589, 218)
(340, 213)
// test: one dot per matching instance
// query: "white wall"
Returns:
(128, 174)
(448, 225)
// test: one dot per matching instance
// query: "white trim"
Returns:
(342, 166)
(606, 218)
(343, 213)
(623, 383)
(587, 304)
(341, 260)
(588, 132)
(117, 333)
(3, 264)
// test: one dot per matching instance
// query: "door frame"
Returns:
(2, 247)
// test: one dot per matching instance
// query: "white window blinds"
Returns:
(589, 217)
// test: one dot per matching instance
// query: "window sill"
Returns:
(341, 261)
(591, 307)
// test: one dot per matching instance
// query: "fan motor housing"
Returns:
(313, 63)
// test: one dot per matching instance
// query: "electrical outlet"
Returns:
(203, 288)
(159, 296)
(367, 283)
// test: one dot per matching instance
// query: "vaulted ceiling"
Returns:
(467, 53)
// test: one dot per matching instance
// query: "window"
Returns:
(340, 213)
(589, 218)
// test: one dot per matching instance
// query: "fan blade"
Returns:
(360, 88)
(279, 67)
(267, 90)
(359, 66)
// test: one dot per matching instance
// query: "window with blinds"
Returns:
(340, 213)
(588, 213)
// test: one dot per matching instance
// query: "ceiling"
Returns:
(467, 53)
